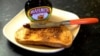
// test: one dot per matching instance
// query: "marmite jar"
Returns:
(37, 10)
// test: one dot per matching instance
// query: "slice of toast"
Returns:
(54, 37)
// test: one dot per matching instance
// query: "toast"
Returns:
(52, 37)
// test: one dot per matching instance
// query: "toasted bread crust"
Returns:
(53, 37)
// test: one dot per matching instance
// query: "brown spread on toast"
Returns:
(54, 36)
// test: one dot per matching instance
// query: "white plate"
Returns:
(58, 15)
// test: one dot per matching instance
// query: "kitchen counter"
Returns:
(87, 42)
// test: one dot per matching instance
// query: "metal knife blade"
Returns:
(45, 25)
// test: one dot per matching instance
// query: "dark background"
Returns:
(87, 42)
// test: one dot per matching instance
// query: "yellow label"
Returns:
(39, 13)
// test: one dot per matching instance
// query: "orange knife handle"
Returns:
(84, 21)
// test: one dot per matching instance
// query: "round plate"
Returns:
(58, 15)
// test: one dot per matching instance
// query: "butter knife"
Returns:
(67, 22)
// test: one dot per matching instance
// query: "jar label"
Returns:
(39, 13)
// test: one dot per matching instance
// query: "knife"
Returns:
(66, 22)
